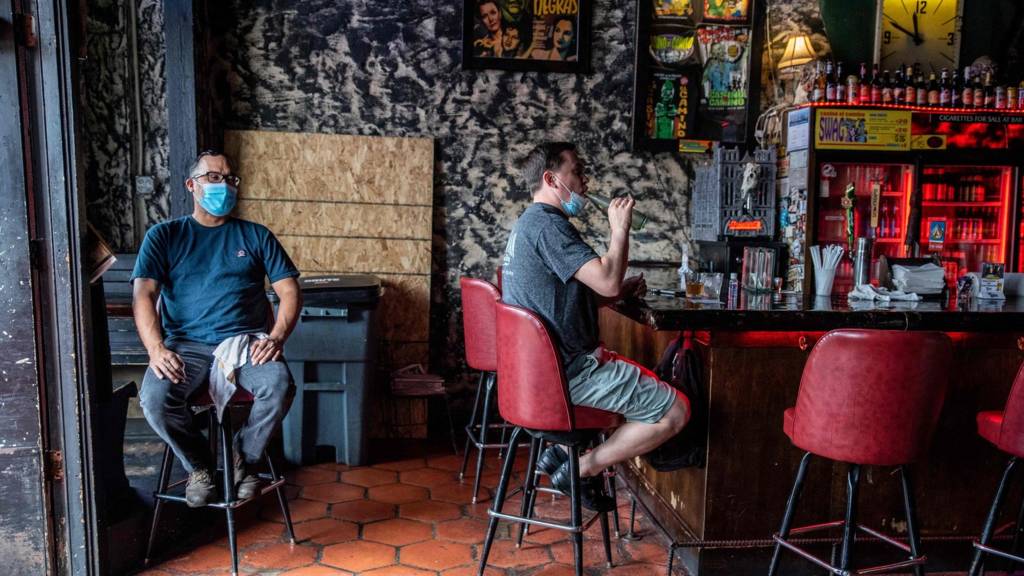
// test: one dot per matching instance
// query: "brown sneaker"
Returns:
(199, 488)
(247, 483)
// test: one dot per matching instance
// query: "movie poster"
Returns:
(526, 31)
(731, 11)
(675, 9)
(726, 54)
(668, 106)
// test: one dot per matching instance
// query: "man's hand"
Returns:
(620, 213)
(634, 287)
(265, 350)
(166, 364)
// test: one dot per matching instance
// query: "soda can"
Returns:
(852, 89)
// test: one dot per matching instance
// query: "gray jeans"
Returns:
(165, 405)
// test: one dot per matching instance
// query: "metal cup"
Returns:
(862, 262)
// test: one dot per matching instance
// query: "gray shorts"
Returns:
(607, 381)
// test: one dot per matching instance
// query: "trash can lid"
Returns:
(339, 289)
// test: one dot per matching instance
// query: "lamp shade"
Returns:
(798, 51)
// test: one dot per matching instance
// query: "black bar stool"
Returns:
(219, 431)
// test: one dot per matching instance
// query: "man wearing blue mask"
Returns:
(198, 290)
(550, 270)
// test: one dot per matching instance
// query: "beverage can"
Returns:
(852, 89)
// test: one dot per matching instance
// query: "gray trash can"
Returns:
(332, 355)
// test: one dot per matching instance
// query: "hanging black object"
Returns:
(680, 366)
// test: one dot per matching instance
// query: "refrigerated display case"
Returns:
(948, 183)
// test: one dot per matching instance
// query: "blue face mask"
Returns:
(574, 207)
(218, 198)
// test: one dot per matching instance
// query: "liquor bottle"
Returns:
(864, 97)
(883, 222)
(909, 89)
(945, 92)
(830, 82)
(922, 90)
(933, 90)
(734, 290)
(639, 219)
(896, 221)
(1011, 96)
(897, 86)
(967, 92)
(840, 83)
(979, 91)
(955, 90)
(990, 91)
(1000, 102)
(876, 85)
(818, 92)
(887, 88)
(1020, 96)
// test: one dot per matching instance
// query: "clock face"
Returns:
(925, 31)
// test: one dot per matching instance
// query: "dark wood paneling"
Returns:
(182, 131)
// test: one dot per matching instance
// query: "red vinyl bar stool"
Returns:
(868, 398)
(533, 396)
(1006, 431)
(478, 300)
(219, 431)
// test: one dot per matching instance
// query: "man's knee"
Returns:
(270, 380)
(678, 415)
(153, 394)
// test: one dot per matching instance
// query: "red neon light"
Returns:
(1004, 232)
(934, 110)
(751, 226)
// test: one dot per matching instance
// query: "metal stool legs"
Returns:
(787, 517)
(482, 407)
(472, 422)
(499, 496)
(158, 504)
(983, 546)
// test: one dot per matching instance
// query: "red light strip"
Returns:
(932, 109)
(1005, 231)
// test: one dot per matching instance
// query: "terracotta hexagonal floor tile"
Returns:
(459, 493)
(358, 556)
(504, 554)
(402, 465)
(634, 569)
(257, 532)
(315, 570)
(277, 557)
(333, 492)
(593, 553)
(429, 511)
(310, 476)
(450, 462)
(332, 466)
(465, 530)
(556, 570)
(363, 511)
(202, 559)
(540, 535)
(471, 570)
(397, 493)
(326, 531)
(155, 572)
(397, 532)
(299, 509)
(397, 570)
(428, 477)
(436, 555)
(369, 477)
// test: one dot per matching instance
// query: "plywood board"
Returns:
(342, 220)
(320, 255)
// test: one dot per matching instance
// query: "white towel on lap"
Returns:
(228, 357)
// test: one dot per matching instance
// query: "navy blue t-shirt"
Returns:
(211, 278)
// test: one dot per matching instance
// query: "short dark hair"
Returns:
(544, 157)
(208, 152)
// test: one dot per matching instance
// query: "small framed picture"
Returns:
(527, 35)
(727, 11)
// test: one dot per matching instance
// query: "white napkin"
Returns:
(869, 292)
(926, 279)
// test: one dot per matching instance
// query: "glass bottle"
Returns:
(945, 92)
(639, 218)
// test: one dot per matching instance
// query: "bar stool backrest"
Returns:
(872, 396)
(478, 326)
(1011, 433)
(532, 390)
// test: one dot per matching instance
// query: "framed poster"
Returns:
(527, 35)
(727, 11)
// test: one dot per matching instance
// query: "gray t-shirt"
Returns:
(543, 253)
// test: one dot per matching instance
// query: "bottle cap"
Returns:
(732, 275)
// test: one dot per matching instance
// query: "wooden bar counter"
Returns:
(725, 513)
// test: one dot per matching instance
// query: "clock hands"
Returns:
(917, 37)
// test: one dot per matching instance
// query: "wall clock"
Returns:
(925, 31)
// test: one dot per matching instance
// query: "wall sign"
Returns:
(852, 129)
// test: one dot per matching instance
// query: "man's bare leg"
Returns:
(635, 438)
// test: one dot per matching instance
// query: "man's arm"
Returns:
(164, 363)
(604, 274)
(289, 302)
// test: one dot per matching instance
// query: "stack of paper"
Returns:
(926, 279)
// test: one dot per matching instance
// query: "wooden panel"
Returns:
(340, 220)
(333, 167)
(358, 255)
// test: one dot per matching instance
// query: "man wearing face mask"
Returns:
(550, 270)
(206, 273)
